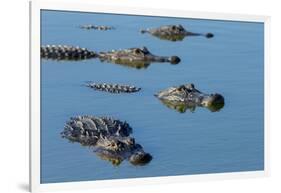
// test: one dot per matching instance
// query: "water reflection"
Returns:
(182, 107)
(130, 64)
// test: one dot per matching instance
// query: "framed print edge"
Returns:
(267, 92)
(35, 79)
(34, 96)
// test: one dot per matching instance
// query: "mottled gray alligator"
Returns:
(109, 137)
(173, 32)
(188, 97)
(113, 88)
(96, 27)
(64, 52)
(135, 57)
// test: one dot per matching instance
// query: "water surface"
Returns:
(198, 142)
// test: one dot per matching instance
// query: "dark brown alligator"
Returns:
(173, 32)
(110, 139)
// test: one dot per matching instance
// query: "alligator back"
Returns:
(64, 52)
(113, 88)
(97, 27)
(87, 130)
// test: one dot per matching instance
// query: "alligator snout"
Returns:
(213, 99)
(140, 158)
(174, 60)
(209, 35)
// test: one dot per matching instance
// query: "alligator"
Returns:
(173, 32)
(110, 139)
(64, 52)
(135, 57)
(113, 88)
(187, 96)
(96, 27)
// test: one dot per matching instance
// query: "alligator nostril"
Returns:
(209, 35)
(175, 60)
(217, 98)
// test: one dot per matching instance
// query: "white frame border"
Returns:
(34, 177)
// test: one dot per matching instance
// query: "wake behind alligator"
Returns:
(186, 96)
(173, 32)
(110, 139)
(113, 88)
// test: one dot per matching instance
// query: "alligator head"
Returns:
(109, 138)
(135, 57)
(173, 32)
(188, 97)
(117, 151)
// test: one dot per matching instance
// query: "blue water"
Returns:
(198, 142)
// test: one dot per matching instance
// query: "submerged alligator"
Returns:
(173, 32)
(188, 97)
(135, 57)
(113, 88)
(96, 27)
(132, 57)
(64, 52)
(109, 137)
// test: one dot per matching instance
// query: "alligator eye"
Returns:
(181, 88)
(137, 51)
(113, 144)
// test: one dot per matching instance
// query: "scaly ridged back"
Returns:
(59, 52)
(113, 88)
(97, 27)
(88, 129)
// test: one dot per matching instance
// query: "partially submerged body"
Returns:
(65, 52)
(173, 32)
(133, 56)
(113, 88)
(109, 137)
(97, 27)
(187, 96)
